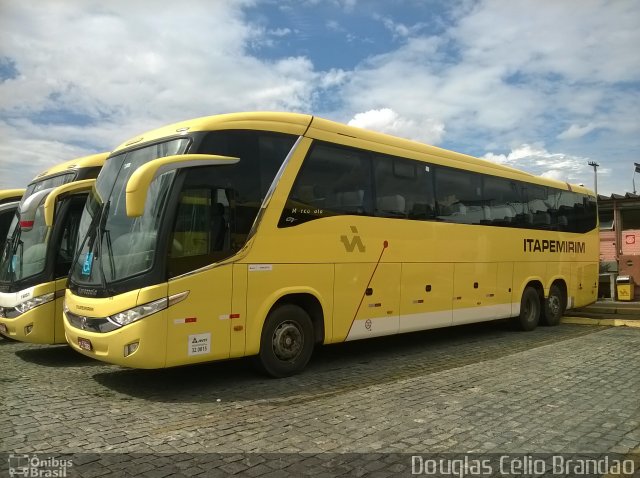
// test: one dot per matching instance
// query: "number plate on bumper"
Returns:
(85, 344)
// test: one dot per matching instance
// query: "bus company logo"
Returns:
(545, 245)
(367, 324)
(34, 466)
(355, 242)
(90, 292)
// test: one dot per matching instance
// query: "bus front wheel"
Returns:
(529, 310)
(554, 306)
(287, 341)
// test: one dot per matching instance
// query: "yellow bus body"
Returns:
(7, 195)
(43, 324)
(420, 274)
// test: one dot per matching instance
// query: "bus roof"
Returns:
(83, 162)
(298, 124)
(7, 194)
(293, 123)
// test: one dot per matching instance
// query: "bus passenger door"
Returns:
(426, 296)
(367, 300)
(65, 236)
(199, 319)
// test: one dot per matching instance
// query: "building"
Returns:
(619, 242)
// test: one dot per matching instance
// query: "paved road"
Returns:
(480, 388)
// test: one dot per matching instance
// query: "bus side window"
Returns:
(503, 199)
(404, 188)
(201, 233)
(459, 196)
(333, 180)
(5, 223)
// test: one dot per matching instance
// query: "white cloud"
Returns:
(594, 42)
(127, 70)
(386, 120)
(537, 160)
(399, 30)
(504, 73)
(575, 131)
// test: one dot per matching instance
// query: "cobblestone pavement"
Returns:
(479, 389)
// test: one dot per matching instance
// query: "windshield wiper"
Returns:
(100, 232)
(112, 261)
(21, 246)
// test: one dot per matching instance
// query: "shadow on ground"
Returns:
(337, 369)
(54, 356)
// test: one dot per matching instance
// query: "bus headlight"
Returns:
(34, 302)
(138, 312)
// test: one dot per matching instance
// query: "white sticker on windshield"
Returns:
(126, 165)
(199, 344)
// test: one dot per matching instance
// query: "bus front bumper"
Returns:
(138, 345)
(35, 326)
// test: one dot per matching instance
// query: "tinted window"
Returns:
(503, 199)
(261, 154)
(404, 188)
(201, 234)
(459, 196)
(218, 204)
(336, 180)
(52, 182)
(69, 236)
(5, 222)
(332, 181)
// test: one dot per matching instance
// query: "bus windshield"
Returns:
(25, 251)
(113, 245)
(51, 182)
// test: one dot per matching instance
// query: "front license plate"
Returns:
(3, 329)
(85, 344)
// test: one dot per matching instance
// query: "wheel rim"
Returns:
(287, 341)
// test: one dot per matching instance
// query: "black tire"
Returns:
(529, 310)
(287, 341)
(554, 306)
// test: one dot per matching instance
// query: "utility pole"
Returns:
(595, 175)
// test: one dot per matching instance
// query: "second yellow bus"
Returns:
(35, 260)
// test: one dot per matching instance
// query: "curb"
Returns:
(607, 322)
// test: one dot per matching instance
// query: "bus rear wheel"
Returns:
(287, 341)
(554, 306)
(529, 310)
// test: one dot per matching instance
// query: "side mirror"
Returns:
(29, 208)
(138, 184)
(50, 202)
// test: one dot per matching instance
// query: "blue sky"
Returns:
(539, 85)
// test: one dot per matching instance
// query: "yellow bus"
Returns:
(312, 232)
(9, 200)
(37, 255)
